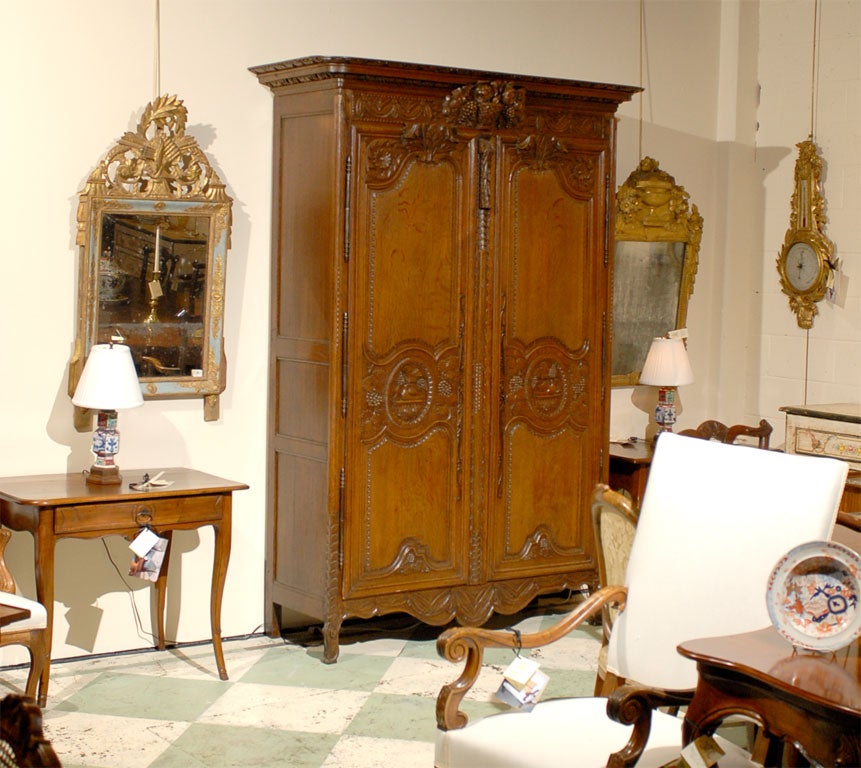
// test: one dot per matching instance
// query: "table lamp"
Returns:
(667, 366)
(108, 383)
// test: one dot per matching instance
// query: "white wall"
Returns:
(831, 350)
(77, 75)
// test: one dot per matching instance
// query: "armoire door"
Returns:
(551, 280)
(405, 522)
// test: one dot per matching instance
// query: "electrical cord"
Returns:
(142, 633)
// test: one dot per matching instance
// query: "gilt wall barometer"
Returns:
(658, 234)
(805, 260)
(154, 230)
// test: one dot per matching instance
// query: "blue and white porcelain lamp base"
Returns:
(106, 445)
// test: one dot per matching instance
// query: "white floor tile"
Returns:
(285, 707)
(97, 740)
(364, 752)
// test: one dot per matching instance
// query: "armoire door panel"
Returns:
(549, 229)
(406, 521)
(539, 525)
(547, 438)
(409, 244)
(411, 529)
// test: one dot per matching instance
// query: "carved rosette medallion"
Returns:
(543, 386)
(410, 392)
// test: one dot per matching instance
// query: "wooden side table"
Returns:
(53, 507)
(811, 701)
(629, 468)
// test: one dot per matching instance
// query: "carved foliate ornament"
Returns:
(156, 161)
(651, 206)
(486, 105)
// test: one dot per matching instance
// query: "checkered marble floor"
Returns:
(282, 706)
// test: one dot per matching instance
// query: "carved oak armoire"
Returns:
(440, 326)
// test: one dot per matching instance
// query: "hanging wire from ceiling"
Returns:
(814, 76)
(157, 53)
(814, 67)
(642, 52)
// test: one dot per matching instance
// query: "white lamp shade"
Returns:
(667, 364)
(109, 381)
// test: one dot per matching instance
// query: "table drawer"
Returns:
(820, 442)
(159, 513)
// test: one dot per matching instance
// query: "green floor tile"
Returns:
(204, 746)
(156, 698)
(290, 666)
(569, 682)
(391, 716)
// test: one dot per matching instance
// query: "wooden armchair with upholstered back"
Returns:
(31, 632)
(614, 526)
(716, 430)
(700, 561)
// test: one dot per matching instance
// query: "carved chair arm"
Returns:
(468, 643)
(633, 704)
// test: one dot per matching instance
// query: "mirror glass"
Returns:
(152, 289)
(658, 233)
(154, 230)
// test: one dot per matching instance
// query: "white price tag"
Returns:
(143, 542)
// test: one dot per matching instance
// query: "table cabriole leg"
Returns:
(219, 574)
(44, 549)
(161, 591)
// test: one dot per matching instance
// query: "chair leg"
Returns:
(38, 657)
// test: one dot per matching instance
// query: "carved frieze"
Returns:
(395, 108)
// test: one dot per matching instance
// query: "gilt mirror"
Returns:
(658, 233)
(154, 230)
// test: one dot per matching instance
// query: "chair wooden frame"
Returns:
(35, 640)
(612, 548)
(629, 704)
(716, 430)
(21, 730)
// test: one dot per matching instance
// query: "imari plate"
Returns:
(813, 595)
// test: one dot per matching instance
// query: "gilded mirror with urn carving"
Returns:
(658, 232)
(154, 230)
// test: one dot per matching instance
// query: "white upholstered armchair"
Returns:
(714, 521)
(31, 632)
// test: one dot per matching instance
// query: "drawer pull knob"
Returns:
(143, 517)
